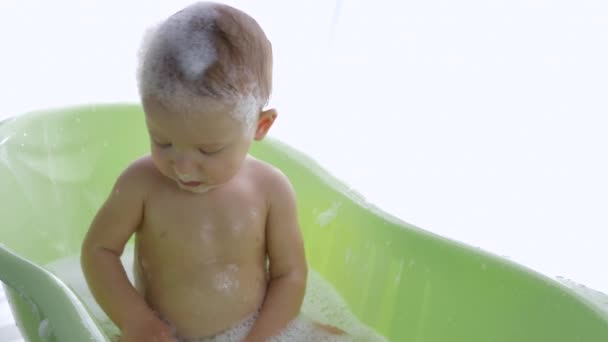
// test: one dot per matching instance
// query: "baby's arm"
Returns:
(115, 222)
(288, 268)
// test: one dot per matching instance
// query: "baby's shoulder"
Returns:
(262, 171)
(141, 168)
(140, 173)
(269, 177)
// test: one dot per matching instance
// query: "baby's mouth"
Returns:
(188, 181)
(191, 184)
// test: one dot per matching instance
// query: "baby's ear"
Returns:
(265, 121)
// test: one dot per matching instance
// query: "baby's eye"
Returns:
(162, 145)
(209, 152)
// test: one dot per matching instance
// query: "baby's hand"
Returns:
(149, 330)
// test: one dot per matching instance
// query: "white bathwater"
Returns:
(322, 302)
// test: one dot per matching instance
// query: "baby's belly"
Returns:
(202, 301)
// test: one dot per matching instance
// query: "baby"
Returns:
(218, 251)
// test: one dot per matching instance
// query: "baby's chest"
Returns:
(235, 225)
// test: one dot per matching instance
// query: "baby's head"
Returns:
(205, 76)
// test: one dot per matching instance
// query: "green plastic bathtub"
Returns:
(57, 166)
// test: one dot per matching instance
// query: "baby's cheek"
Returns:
(219, 171)
(235, 163)
(161, 161)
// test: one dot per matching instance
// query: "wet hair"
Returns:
(207, 50)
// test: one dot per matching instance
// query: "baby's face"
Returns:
(198, 148)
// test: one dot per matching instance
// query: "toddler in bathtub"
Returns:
(218, 251)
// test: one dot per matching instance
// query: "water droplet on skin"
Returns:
(237, 228)
(209, 261)
(205, 225)
(253, 213)
(227, 281)
(205, 235)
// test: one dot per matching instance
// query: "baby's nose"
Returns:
(184, 165)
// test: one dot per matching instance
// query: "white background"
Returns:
(482, 121)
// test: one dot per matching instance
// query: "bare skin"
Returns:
(206, 217)
(201, 259)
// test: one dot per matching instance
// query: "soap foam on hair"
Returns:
(193, 46)
(188, 37)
